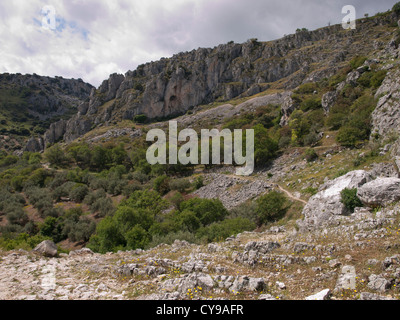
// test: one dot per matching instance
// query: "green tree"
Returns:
(265, 148)
(55, 156)
(206, 210)
(271, 207)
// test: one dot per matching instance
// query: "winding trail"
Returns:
(290, 195)
(273, 185)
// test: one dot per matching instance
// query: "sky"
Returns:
(91, 39)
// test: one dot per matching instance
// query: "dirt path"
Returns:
(291, 196)
(275, 186)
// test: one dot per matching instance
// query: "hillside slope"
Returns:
(320, 214)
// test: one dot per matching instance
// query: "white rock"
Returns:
(323, 295)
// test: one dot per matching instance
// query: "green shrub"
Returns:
(171, 237)
(310, 155)
(350, 199)
(271, 207)
(21, 241)
(176, 200)
(79, 192)
(207, 210)
(103, 207)
(349, 136)
(140, 118)
(180, 185)
(219, 231)
(311, 104)
(82, 230)
(357, 62)
(246, 210)
(161, 185)
(198, 183)
(307, 88)
(56, 156)
(265, 148)
(9, 160)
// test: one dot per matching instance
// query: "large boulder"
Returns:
(327, 202)
(47, 248)
(380, 192)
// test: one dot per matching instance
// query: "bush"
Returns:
(271, 207)
(310, 155)
(170, 238)
(9, 160)
(310, 104)
(140, 118)
(224, 229)
(161, 185)
(79, 192)
(180, 185)
(198, 183)
(246, 210)
(82, 230)
(357, 62)
(21, 241)
(307, 88)
(207, 210)
(350, 199)
(55, 156)
(349, 136)
(265, 148)
(103, 207)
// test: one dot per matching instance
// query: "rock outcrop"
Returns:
(326, 204)
(47, 248)
(386, 116)
(380, 192)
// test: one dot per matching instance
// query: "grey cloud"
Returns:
(124, 33)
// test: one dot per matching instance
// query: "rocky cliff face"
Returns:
(29, 103)
(47, 97)
(172, 86)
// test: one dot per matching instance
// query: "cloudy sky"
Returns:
(90, 39)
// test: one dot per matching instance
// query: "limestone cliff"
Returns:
(172, 86)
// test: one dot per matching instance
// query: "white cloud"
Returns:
(95, 38)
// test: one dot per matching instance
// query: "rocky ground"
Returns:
(354, 258)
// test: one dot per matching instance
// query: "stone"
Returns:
(83, 251)
(328, 100)
(267, 297)
(326, 204)
(389, 261)
(380, 192)
(281, 285)
(378, 283)
(373, 296)
(256, 284)
(47, 248)
(334, 263)
(261, 246)
(34, 145)
(287, 108)
(302, 246)
(322, 295)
